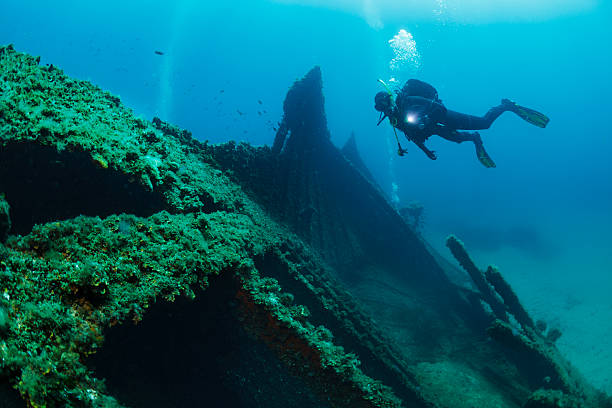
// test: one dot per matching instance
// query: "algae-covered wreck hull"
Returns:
(185, 274)
(67, 149)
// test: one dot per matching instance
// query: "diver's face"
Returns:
(389, 109)
(383, 102)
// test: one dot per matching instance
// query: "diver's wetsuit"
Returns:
(435, 119)
(453, 121)
(456, 120)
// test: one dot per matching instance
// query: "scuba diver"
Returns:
(419, 113)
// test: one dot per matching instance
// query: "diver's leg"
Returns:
(474, 137)
(458, 137)
(457, 120)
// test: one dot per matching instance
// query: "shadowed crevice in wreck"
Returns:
(193, 353)
(9, 398)
(43, 185)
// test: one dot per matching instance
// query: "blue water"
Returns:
(543, 215)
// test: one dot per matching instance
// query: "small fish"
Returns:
(221, 91)
(159, 52)
(260, 102)
(240, 113)
(259, 113)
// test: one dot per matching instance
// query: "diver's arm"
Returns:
(418, 137)
(430, 153)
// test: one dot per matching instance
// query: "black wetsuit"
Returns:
(419, 118)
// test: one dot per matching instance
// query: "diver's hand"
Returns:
(430, 153)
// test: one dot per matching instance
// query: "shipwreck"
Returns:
(140, 267)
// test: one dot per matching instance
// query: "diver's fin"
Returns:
(529, 115)
(534, 117)
(483, 156)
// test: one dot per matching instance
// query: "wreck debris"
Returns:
(484, 287)
(413, 215)
(544, 366)
(511, 300)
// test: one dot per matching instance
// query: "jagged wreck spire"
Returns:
(304, 114)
